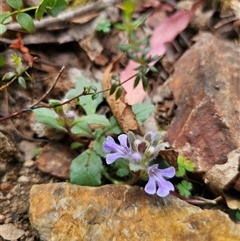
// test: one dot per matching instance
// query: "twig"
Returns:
(31, 107)
(67, 15)
(51, 88)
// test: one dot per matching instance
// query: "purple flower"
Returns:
(119, 151)
(157, 180)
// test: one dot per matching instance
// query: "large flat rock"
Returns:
(63, 211)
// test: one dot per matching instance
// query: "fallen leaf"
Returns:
(232, 200)
(170, 156)
(165, 33)
(123, 112)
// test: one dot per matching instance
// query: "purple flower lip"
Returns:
(119, 151)
(158, 182)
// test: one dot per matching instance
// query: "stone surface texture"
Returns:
(55, 159)
(63, 211)
(206, 89)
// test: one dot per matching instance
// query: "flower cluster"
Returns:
(140, 153)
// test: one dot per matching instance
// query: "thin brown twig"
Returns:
(50, 89)
(34, 106)
(31, 107)
(67, 15)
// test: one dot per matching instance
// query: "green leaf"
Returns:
(86, 169)
(22, 82)
(184, 188)
(26, 22)
(75, 145)
(237, 214)
(97, 147)
(2, 61)
(15, 4)
(81, 129)
(119, 92)
(153, 69)
(180, 172)
(113, 88)
(8, 76)
(41, 9)
(5, 17)
(124, 47)
(138, 22)
(3, 29)
(48, 117)
(122, 167)
(186, 164)
(120, 26)
(95, 120)
(136, 81)
(145, 82)
(142, 111)
(114, 128)
(88, 104)
(59, 6)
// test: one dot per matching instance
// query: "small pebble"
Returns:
(23, 179)
(6, 187)
(29, 163)
(2, 219)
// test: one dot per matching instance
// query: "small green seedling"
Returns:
(184, 164)
(104, 26)
(184, 188)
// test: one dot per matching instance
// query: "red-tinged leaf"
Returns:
(166, 32)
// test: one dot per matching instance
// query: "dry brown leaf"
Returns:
(232, 200)
(85, 18)
(120, 110)
(170, 156)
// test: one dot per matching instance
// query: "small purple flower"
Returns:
(157, 180)
(119, 151)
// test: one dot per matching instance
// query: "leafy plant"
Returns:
(51, 7)
(135, 49)
(88, 131)
(104, 26)
(184, 164)
(185, 188)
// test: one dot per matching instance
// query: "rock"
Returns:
(122, 213)
(222, 177)
(206, 88)
(55, 159)
(10, 232)
(8, 151)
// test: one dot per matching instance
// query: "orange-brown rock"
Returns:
(63, 211)
(206, 89)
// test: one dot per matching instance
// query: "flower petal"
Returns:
(112, 157)
(110, 145)
(123, 140)
(150, 187)
(164, 187)
(167, 172)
